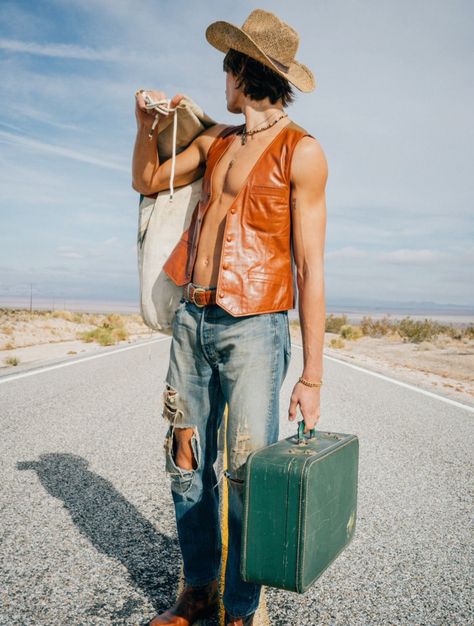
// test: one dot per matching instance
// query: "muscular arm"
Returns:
(308, 210)
(149, 175)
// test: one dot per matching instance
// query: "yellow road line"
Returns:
(261, 616)
(224, 505)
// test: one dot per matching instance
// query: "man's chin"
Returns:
(232, 109)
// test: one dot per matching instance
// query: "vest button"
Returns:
(229, 237)
(225, 266)
(221, 294)
(232, 210)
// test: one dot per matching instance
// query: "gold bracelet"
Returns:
(308, 384)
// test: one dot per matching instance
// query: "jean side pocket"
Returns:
(177, 311)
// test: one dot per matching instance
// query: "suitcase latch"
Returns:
(301, 450)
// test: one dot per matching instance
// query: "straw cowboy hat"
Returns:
(267, 39)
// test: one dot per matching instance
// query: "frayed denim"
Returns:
(218, 359)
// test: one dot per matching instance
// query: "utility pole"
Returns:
(31, 297)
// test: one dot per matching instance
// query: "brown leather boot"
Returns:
(193, 603)
(238, 621)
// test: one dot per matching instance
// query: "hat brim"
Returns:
(223, 35)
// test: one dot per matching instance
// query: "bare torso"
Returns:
(227, 180)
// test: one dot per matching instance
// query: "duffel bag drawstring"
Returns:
(163, 106)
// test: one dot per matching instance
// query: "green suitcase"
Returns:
(300, 500)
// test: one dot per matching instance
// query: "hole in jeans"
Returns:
(182, 445)
(182, 467)
(182, 449)
(171, 404)
(236, 481)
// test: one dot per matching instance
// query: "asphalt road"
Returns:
(87, 522)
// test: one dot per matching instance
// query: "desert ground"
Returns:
(436, 357)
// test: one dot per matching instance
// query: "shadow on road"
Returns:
(114, 527)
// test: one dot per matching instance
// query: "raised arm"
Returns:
(148, 174)
(308, 213)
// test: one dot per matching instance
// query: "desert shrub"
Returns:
(104, 336)
(468, 332)
(121, 334)
(113, 320)
(346, 331)
(416, 331)
(93, 319)
(336, 342)
(64, 315)
(111, 330)
(376, 328)
(350, 332)
(453, 332)
(334, 324)
(12, 360)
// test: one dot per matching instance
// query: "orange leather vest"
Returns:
(256, 273)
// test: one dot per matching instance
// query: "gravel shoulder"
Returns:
(444, 366)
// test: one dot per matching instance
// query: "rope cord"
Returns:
(163, 106)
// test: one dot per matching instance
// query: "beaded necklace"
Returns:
(246, 133)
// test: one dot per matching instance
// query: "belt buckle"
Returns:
(194, 293)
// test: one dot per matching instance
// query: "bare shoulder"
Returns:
(207, 137)
(309, 162)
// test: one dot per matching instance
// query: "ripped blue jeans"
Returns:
(218, 359)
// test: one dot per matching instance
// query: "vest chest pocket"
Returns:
(268, 209)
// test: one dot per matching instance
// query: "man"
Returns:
(264, 206)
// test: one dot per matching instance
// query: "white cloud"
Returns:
(68, 252)
(467, 256)
(348, 252)
(106, 248)
(41, 146)
(62, 50)
(24, 111)
(413, 257)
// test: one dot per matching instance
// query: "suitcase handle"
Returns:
(301, 436)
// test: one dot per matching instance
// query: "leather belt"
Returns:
(198, 295)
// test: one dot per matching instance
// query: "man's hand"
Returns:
(309, 400)
(145, 117)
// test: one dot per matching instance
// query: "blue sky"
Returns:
(392, 110)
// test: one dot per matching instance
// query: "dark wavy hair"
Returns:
(258, 80)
